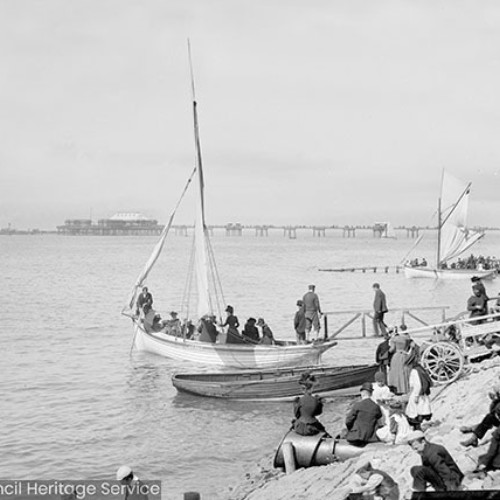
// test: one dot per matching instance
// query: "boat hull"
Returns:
(278, 384)
(229, 355)
(447, 274)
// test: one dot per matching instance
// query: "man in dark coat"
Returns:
(490, 420)
(491, 459)
(477, 304)
(250, 331)
(208, 330)
(144, 299)
(438, 467)
(312, 311)
(382, 354)
(362, 419)
(379, 310)
(299, 323)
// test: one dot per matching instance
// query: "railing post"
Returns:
(403, 317)
(363, 325)
(325, 320)
(443, 315)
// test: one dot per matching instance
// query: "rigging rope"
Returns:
(156, 252)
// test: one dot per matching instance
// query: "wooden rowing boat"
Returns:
(276, 384)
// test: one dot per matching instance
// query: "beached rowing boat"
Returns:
(278, 384)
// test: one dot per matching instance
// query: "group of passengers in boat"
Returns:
(417, 263)
(207, 329)
(474, 262)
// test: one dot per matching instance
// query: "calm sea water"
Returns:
(76, 403)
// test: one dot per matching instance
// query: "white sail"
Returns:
(200, 249)
(128, 309)
(456, 238)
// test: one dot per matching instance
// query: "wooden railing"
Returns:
(362, 315)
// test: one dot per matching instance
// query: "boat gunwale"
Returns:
(171, 339)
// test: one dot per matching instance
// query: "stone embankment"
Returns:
(463, 402)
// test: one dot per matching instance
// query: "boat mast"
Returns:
(439, 234)
(201, 258)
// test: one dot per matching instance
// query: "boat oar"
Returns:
(133, 339)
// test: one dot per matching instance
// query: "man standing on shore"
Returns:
(312, 311)
(379, 309)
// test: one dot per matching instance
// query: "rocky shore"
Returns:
(463, 402)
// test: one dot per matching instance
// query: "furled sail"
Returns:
(456, 238)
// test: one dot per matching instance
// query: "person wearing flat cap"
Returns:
(299, 322)
(363, 418)
(368, 482)
(127, 478)
(438, 468)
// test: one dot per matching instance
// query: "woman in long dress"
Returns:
(418, 408)
(307, 408)
(398, 376)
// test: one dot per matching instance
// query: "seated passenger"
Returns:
(173, 325)
(149, 317)
(362, 420)
(306, 408)
(267, 333)
(396, 428)
(250, 331)
(188, 329)
(157, 323)
(208, 330)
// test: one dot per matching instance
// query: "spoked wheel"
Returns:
(444, 362)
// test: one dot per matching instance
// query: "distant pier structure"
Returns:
(234, 229)
(261, 230)
(290, 231)
(180, 230)
(120, 224)
(349, 231)
(379, 229)
(319, 231)
(412, 232)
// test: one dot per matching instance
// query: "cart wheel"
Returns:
(444, 362)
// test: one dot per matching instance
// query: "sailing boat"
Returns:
(454, 238)
(182, 345)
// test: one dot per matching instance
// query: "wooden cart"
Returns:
(456, 343)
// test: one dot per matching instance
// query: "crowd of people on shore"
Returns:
(395, 408)
(398, 413)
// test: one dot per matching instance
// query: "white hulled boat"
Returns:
(454, 237)
(209, 302)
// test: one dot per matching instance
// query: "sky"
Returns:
(318, 112)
